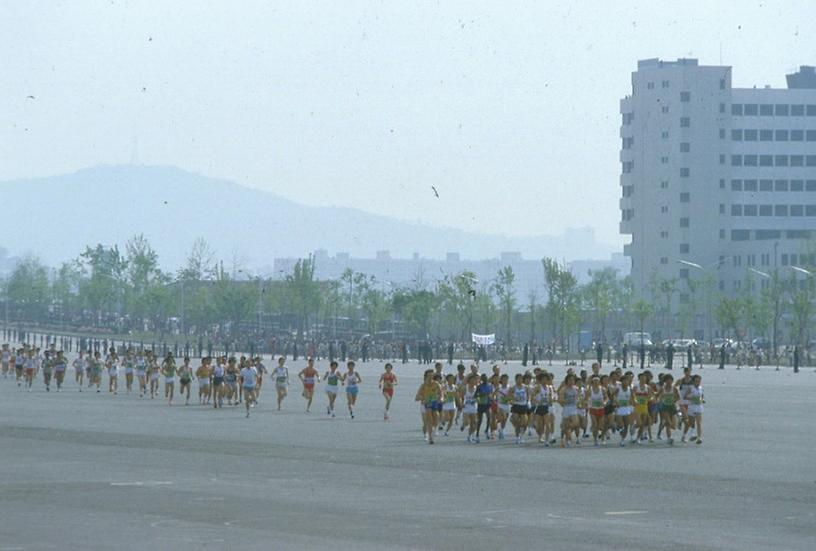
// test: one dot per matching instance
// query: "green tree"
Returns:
(600, 297)
(563, 301)
(28, 288)
(504, 289)
(303, 292)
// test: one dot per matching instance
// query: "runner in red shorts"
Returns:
(387, 383)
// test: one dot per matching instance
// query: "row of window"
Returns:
(770, 210)
(763, 235)
(773, 160)
(772, 110)
(766, 135)
(773, 185)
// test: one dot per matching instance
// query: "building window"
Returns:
(780, 210)
(781, 136)
(685, 197)
(685, 96)
(684, 222)
(736, 160)
(664, 260)
(664, 184)
(751, 110)
(797, 210)
(810, 135)
(740, 235)
(736, 210)
(722, 158)
(736, 260)
(781, 185)
(722, 233)
(780, 160)
(722, 108)
(765, 160)
(750, 135)
(765, 259)
(736, 185)
(684, 248)
(664, 160)
(750, 160)
(750, 185)
(781, 110)
(664, 109)
(797, 135)
(810, 185)
(664, 234)
(664, 84)
(722, 208)
(722, 133)
(766, 210)
(685, 122)
(810, 210)
(722, 84)
(664, 209)
(736, 135)
(665, 134)
(797, 185)
(766, 110)
(811, 110)
(685, 147)
(810, 160)
(684, 275)
(797, 160)
(749, 210)
(784, 259)
(766, 135)
(797, 110)
(685, 172)
(736, 109)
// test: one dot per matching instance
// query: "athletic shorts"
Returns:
(308, 386)
(331, 389)
(185, 381)
(169, 380)
(449, 406)
(609, 409)
(597, 412)
(504, 407)
(542, 410)
(569, 411)
(641, 409)
(140, 374)
(389, 392)
(654, 408)
(353, 390)
(624, 411)
(483, 408)
(203, 382)
(469, 410)
(518, 409)
(249, 388)
(695, 409)
(217, 381)
(29, 371)
(671, 410)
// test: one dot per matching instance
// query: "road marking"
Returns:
(148, 483)
(626, 512)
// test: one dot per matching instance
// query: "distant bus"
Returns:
(635, 338)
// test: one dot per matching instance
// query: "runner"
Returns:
(141, 373)
(686, 420)
(597, 411)
(461, 381)
(449, 404)
(541, 404)
(332, 378)
(387, 383)
(112, 365)
(169, 373)
(5, 359)
(231, 382)
(696, 399)
(668, 397)
(155, 371)
(60, 365)
(47, 369)
(128, 362)
(218, 383)
(518, 411)
(568, 399)
(352, 380)
(249, 378)
(261, 370)
(309, 376)
(96, 370)
(203, 375)
(503, 404)
(643, 393)
(185, 380)
(484, 401)
(428, 395)
(281, 374)
(79, 369)
(624, 412)
(469, 407)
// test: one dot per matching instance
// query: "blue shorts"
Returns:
(352, 390)
(249, 387)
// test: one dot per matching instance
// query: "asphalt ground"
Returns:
(97, 471)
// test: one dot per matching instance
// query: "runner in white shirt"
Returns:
(79, 369)
(249, 378)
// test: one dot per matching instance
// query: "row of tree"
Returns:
(127, 290)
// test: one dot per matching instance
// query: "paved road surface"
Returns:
(95, 471)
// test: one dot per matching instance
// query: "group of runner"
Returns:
(593, 404)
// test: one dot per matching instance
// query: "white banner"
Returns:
(483, 340)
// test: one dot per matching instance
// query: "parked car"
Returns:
(635, 338)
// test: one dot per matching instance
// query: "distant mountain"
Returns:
(56, 217)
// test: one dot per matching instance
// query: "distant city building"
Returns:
(715, 180)
(426, 272)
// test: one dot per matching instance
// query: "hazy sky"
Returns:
(509, 109)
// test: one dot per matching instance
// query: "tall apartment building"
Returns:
(713, 176)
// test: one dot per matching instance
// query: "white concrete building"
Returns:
(719, 177)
